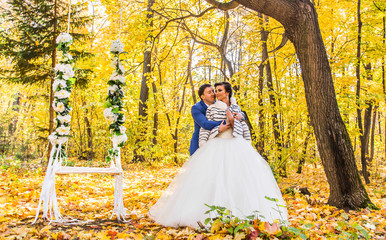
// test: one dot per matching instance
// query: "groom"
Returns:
(198, 111)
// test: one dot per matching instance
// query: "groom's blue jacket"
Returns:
(198, 113)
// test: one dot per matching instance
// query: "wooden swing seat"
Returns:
(88, 170)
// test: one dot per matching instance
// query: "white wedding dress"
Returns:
(226, 172)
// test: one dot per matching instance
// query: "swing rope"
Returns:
(69, 16)
(120, 19)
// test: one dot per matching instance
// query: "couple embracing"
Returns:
(223, 170)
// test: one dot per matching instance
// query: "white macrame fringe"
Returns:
(119, 208)
(48, 195)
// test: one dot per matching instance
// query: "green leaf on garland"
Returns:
(72, 80)
(107, 104)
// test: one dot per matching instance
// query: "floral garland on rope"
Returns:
(62, 87)
(114, 102)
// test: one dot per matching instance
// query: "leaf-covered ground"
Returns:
(90, 197)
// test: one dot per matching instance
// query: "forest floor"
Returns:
(90, 197)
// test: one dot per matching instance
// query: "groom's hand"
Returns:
(224, 126)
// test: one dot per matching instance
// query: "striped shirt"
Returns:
(217, 112)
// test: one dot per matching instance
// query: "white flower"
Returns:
(112, 89)
(63, 130)
(53, 138)
(62, 94)
(117, 77)
(58, 82)
(116, 46)
(122, 129)
(123, 118)
(66, 69)
(69, 73)
(64, 119)
(64, 38)
(117, 139)
(58, 107)
(109, 115)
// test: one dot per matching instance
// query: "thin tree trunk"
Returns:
(365, 142)
(373, 124)
(16, 108)
(383, 70)
(175, 135)
(260, 143)
(366, 131)
(271, 90)
(190, 76)
(80, 135)
(155, 96)
(144, 94)
(302, 159)
(90, 146)
(362, 135)
(155, 118)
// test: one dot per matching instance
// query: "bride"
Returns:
(225, 171)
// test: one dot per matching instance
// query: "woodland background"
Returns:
(186, 52)
(190, 43)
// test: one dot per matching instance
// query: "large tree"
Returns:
(300, 21)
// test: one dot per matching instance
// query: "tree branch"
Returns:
(223, 6)
(284, 40)
(180, 18)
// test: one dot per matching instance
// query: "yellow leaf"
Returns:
(216, 227)
(239, 236)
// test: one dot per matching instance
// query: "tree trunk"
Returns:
(366, 131)
(155, 117)
(383, 70)
(365, 142)
(90, 146)
(16, 108)
(190, 49)
(362, 135)
(300, 21)
(190, 76)
(373, 124)
(261, 137)
(144, 94)
(271, 91)
(302, 159)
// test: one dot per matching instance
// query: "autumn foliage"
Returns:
(190, 43)
(90, 198)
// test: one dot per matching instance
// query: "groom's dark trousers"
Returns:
(198, 113)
